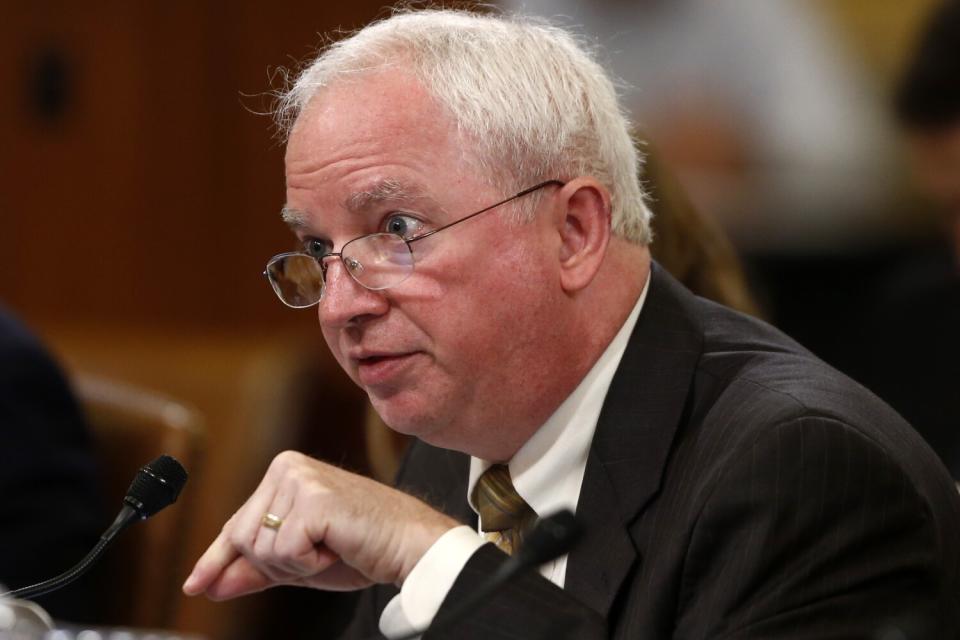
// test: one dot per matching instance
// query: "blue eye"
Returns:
(403, 225)
(316, 248)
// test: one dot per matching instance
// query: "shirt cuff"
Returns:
(429, 582)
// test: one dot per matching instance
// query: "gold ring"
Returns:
(271, 521)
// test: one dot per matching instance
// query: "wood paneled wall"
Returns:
(139, 202)
(138, 185)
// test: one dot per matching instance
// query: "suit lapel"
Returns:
(640, 417)
(458, 471)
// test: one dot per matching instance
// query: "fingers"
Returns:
(288, 552)
(235, 539)
(338, 577)
(247, 522)
(240, 578)
(211, 564)
(265, 554)
(338, 531)
(248, 556)
(295, 549)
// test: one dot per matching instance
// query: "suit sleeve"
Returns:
(369, 605)
(530, 607)
(815, 531)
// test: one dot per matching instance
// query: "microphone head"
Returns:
(156, 486)
(552, 537)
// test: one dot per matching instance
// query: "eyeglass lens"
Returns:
(377, 261)
(296, 278)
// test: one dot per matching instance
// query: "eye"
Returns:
(316, 247)
(403, 225)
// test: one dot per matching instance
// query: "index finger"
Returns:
(218, 556)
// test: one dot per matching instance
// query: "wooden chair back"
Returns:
(132, 426)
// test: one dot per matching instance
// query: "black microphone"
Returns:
(552, 537)
(155, 486)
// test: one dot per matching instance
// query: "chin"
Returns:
(402, 418)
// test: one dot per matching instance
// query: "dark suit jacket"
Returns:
(50, 501)
(736, 487)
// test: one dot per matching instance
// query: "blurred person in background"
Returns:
(770, 124)
(51, 511)
(777, 134)
(690, 245)
(912, 353)
(928, 108)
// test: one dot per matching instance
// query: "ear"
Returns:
(584, 225)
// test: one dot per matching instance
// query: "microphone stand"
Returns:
(126, 516)
(156, 485)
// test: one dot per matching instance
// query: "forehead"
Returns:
(376, 138)
(379, 117)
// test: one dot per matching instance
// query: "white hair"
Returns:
(532, 100)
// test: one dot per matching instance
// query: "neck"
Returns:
(593, 316)
(603, 307)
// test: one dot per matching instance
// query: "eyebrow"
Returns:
(294, 218)
(387, 190)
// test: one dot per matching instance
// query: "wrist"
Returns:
(420, 537)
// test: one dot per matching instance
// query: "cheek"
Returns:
(490, 316)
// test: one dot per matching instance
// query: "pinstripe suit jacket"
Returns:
(736, 487)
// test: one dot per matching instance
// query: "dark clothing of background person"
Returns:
(50, 500)
(914, 362)
(736, 487)
(912, 348)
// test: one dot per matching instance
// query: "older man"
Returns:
(465, 190)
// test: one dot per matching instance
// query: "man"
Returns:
(730, 484)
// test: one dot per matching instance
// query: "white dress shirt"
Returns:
(547, 472)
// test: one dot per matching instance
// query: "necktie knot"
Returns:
(504, 516)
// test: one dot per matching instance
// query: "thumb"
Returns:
(238, 579)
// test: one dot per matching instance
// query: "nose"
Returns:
(345, 301)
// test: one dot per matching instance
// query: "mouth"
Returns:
(372, 360)
(380, 369)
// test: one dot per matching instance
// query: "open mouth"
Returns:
(383, 369)
(372, 360)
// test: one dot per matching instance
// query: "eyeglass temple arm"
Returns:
(485, 209)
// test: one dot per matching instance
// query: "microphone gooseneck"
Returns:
(156, 485)
(552, 537)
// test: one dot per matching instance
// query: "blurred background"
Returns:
(141, 191)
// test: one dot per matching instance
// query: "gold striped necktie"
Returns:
(504, 516)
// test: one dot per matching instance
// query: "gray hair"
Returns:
(533, 101)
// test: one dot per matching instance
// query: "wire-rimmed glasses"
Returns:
(376, 261)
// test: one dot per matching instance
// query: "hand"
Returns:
(339, 531)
